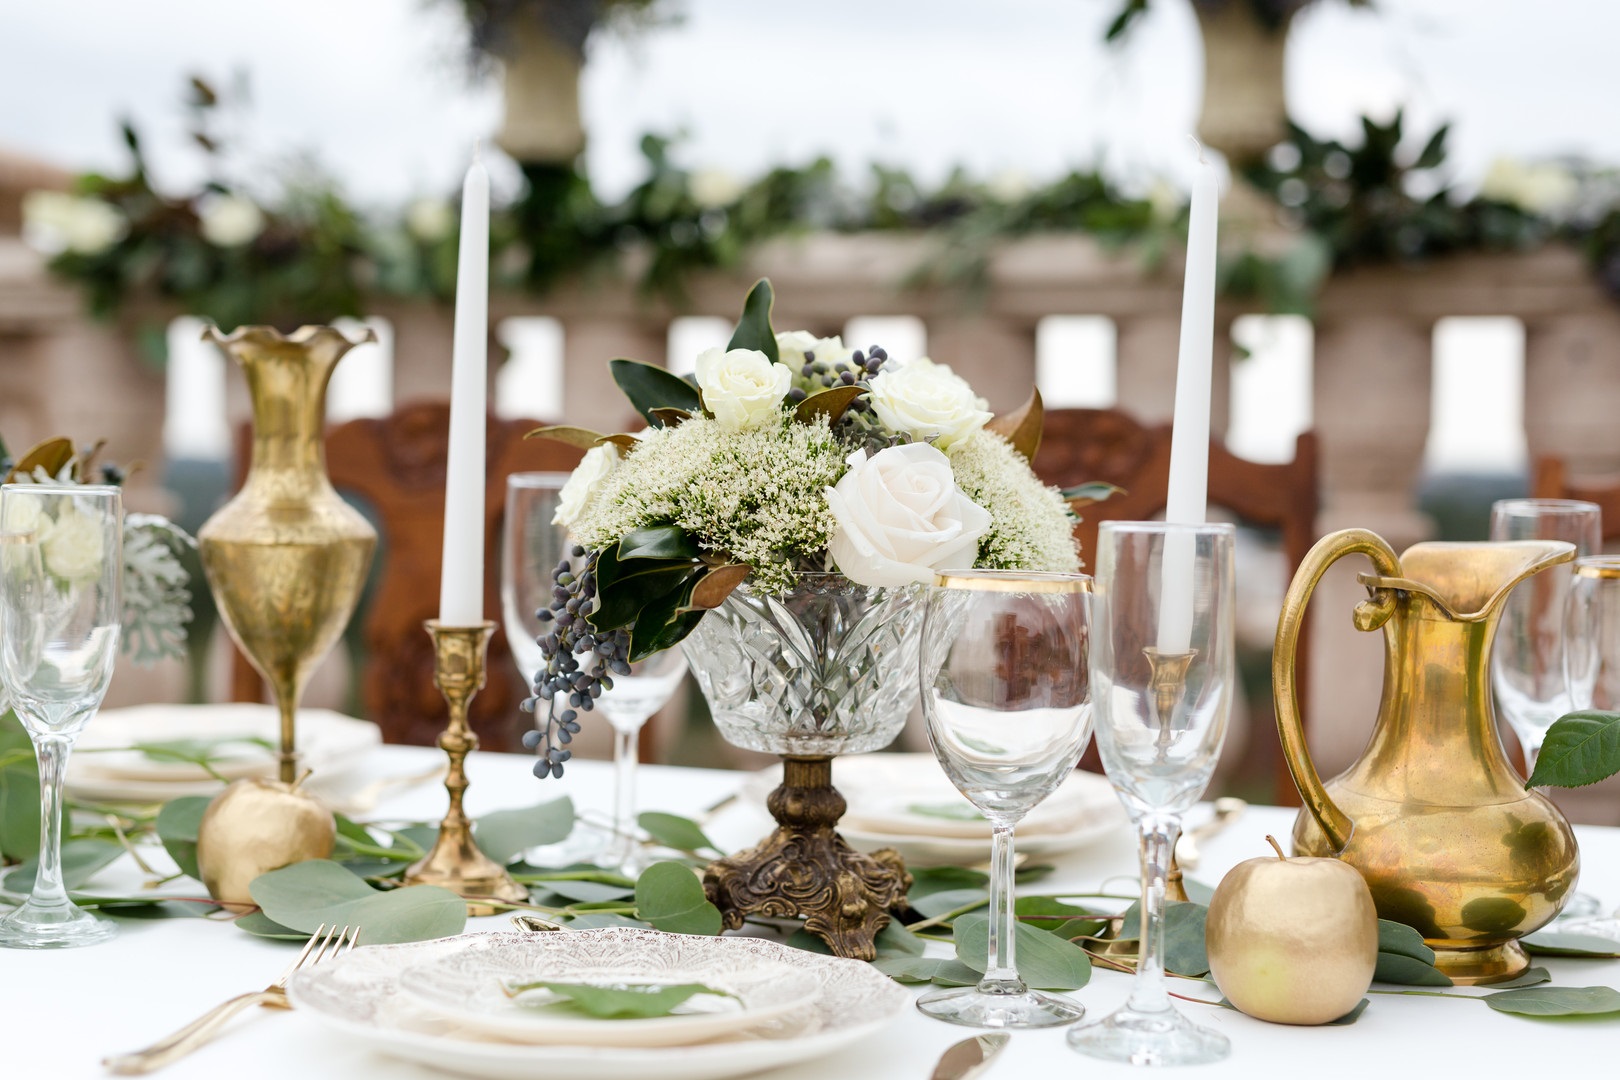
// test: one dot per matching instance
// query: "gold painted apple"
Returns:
(255, 826)
(1292, 941)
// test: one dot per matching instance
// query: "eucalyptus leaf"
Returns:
(1556, 1001)
(1406, 971)
(82, 859)
(674, 831)
(671, 897)
(896, 940)
(306, 895)
(628, 1001)
(956, 973)
(1533, 976)
(588, 892)
(1352, 1016)
(650, 387)
(1403, 940)
(177, 825)
(1184, 951)
(936, 904)
(504, 834)
(259, 924)
(1049, 910)
(754, 328)
(1580, 748)
(420, 837)
(909, 969)
(804, 939)
(932, 879)
(1561, 943)
(1045, 962)
(19, 792)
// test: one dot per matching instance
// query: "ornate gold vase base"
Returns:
(456, 863)
(1477, 967)
(805, 869)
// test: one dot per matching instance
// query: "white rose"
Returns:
(742, 388)
(597, 464)
(714, 188)
(74, 547)
(1535, 189)
(429, 220)
(231, 221)
(22, 514)
(55, 221)
(927, 401)
(794, 344)
(899, 516)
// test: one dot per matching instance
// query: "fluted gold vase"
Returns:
(286, 558)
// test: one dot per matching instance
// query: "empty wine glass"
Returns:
(627, 706)
(1162, 676)
(1008, 710)
(60, 561)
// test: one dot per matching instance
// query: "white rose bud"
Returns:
(597, 464)
(231, 221)
(714, 188)
(74, 547)
(430, 220)
(899, 517)
(927, 401)
(54, 221)
(793, 344)
(742, 388)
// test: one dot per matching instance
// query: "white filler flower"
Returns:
(899, 516)
(430, 220)
(231, 221)
(927, 401)
(794, 344)
(598, 463)
(742, 388)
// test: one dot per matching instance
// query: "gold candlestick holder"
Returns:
(455, 862)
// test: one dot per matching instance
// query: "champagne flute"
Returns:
(1008, 709)
(1162, 670)
(1527, 663)
(60, 563)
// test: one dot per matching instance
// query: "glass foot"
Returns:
(1139, 1037)
(32, 927)
(1023, 1009)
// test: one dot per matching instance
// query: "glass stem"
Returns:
(52, 752)
(626, 742)
(1001, 973)
(1158, 841)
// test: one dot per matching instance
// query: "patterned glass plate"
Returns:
(362, 997)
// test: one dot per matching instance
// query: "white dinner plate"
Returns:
(470, 986)
(103, 768)
(905, 801)
(360, 996)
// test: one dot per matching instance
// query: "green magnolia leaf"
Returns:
(650, 387)
(671, 897)
(622, 602)
(832, 404)
(1087, 494)
(1581, 748)
(259, 924)
(306, 895)
(1403, 940)
(1556, 1001)
(629, 1001)
(657, 542)
(177, 825)
(670, 417)
(1406, 971)
(1557, 943)
(664, 622)
(711, 589)
(1022, 426)
(504, 834)
(754, 328)
(583, 438)
(1045, 961)
(82, 858)
(674, 831)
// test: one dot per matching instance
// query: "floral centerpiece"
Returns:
(155, 584)
(785, 455)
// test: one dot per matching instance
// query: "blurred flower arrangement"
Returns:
(156, 586)
(300, 252)
(786, 454)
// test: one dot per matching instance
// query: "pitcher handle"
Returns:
(1370, 614)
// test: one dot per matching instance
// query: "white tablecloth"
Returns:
(61, 1011)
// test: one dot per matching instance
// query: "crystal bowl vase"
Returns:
(828, 668)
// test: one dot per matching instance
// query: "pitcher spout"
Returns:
(1468, 582)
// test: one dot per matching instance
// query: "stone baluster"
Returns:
(996, 355)
(590, 397)
(1569, 361)
(1145, 357)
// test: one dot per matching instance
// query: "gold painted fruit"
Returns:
(1293, 941)
(255, 826)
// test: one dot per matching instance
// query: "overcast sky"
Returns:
(377, 90)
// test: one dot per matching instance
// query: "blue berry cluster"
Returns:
(580, 662)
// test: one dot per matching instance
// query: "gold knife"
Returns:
(969, 1057)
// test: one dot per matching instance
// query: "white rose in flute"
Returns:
(597, 465)
(742, 388)
(899, 517)
(74, 546)
(795, 345)
(927, 401)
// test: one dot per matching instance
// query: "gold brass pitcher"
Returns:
(286, 557)
(1433, 814)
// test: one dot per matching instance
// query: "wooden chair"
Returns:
(1080, 445)
(396, 467)
(1552, 481)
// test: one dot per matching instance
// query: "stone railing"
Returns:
(1372, 369)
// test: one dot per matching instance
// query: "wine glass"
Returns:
(1008, 710)
(1527, 663)
(627, 706)
(60, 562)
(1162, 674)
(1592, 656)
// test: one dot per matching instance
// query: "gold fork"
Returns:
(324, 944)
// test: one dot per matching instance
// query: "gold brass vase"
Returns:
(1433, 814)
(286, 558)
